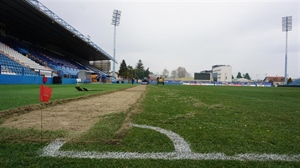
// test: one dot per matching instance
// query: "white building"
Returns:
(222, 73)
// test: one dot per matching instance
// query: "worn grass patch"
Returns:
(26, 97)
(104, 137)
(11, 135)
(15, 96)
(231, 120)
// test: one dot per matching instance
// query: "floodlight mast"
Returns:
(286, 26)
(115, 21)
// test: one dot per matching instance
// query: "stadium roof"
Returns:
(31, 21)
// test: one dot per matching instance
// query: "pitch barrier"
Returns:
(182, 151)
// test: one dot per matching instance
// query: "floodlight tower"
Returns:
(286, 26)
(115, 21)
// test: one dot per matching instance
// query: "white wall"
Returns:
(224, 73)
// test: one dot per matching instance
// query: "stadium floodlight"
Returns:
(115, 21)
(286, 26)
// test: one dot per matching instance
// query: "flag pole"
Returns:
(45, 95)
(41, 125)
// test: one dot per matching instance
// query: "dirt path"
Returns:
(77, 116)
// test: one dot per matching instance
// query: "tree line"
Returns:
(138, 72)
(239, 75)
(180, 72)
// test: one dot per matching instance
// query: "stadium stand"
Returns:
(44, 46)
(41, 60)
(25, 61)
(295, 82)
(11, 67)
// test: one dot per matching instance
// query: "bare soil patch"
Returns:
(78, 115)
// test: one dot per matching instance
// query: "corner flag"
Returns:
(45, 93)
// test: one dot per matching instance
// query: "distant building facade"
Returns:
(102, 65)
(221, 73)
(276, 80)
(218, 73)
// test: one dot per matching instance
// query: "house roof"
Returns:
(275, 78)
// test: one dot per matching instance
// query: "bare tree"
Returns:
(188, 75)
(165, 73)
(174, 74)
(181, 72)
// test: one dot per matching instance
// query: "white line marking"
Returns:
(182, 151)
(180, 144)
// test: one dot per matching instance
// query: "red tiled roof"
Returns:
(275, 78)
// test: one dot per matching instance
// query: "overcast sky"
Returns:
(246, 34)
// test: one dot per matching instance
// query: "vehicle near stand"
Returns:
(145, 81)
(160, 80)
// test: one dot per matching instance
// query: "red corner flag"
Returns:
(45, 93)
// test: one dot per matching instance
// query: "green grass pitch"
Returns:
(230, 120)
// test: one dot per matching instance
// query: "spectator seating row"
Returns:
(295, 82)
(42, 61)
(24, 60)
(11, 67)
